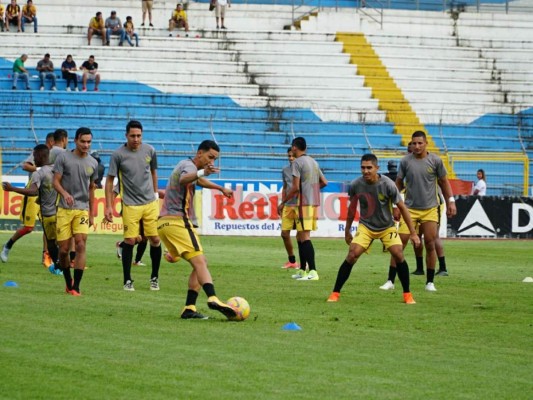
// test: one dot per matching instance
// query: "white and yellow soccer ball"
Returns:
(241, 306)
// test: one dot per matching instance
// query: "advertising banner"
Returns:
(492, 217)
(253, 210)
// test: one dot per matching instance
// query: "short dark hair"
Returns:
(421, 134)
(47, 55)
(299, 143)
(370, 157)
(289, 149)
(83, 131)
(207, 145)
(43, 149)
(98, 13)
(59, 134)
(91, 56)
(133, 124)
(50, 135)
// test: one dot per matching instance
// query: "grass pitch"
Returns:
(472, 339)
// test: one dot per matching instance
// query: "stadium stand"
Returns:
(256, 86)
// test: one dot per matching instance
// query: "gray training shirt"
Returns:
(43, 178)
(133, 169)
(375, 202)
(421, 176)
(54, 152)
(77, 173)
(307, 169)
(286, 175)
(178, 199)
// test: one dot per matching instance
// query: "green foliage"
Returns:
(469, 340)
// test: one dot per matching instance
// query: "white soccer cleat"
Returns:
(154, 284)
(387, 286)
(311, 276)
(128, 286)
(4, 254)
(430, 287)
(299, 275)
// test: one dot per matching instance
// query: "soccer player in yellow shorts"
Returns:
(375, 195)
(177, 224)
(289, 214)
(135, 165)
(307, 180)
(74, 175)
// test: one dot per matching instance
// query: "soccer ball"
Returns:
(241, 306)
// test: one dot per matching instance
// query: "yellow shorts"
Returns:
(419, 217)
(30, 209)
(364, 237)
(50, 227)
(307, 216)
(179, 239)
(132, 215)
(289, 218)
(71, 222)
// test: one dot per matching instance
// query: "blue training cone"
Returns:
(11, 284)
(291, 326)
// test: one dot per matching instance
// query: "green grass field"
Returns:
(472, 339)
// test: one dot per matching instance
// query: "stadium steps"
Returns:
(384, 88)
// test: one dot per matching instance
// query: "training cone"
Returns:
(11, 284)
(528, 279)
(291, 326)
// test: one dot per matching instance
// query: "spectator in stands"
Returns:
(113, 26)
(178, 20)
(13, 15)
(68, 71)
(392, 168)
(90, 72)
(2, 18)
(97, 27)
(19, 71)
(45, 67)
(129, 32)
(221, 12)
(29, 15)
(480, 188)
(147, 7)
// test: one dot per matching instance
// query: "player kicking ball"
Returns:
(177, 223)
(375, 195)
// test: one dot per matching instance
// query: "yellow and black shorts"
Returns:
(180, 238)
(30, 210)
(364, 237)
(133, 215)
(419, 217)
(71, 222)
(307, 216)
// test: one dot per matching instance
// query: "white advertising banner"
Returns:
(253, 210)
